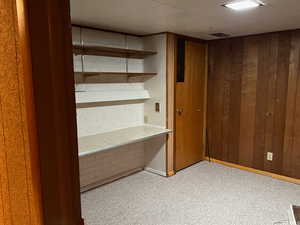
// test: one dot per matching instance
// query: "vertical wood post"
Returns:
(53, 79)
(20, 190)
(171, 76)
(39, 175)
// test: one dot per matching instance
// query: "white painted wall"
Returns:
(104, 118)
(156, 85)
(155, 149)
(103, 63)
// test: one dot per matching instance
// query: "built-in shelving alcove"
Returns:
(121, 104)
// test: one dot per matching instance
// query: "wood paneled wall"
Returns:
(254, 101)
(20, 191)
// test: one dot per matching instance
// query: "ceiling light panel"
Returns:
(243, 5)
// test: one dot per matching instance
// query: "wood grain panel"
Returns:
(293, 78)
(171, 77)
(20, 201)
(263, 78)
(271, 70)
(2, 219)
(53, 84)
(4, 188)
(295, 160)
(215, 102)
(283, 59)
(235, 99)
(254, 85)
(248, 101)
(225, 68)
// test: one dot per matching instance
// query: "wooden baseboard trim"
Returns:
(264, 173)
(171, 173)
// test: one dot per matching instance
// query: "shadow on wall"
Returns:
(155, 155)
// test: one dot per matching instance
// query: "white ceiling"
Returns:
(197, 18)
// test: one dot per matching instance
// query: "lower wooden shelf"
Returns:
(104, 141)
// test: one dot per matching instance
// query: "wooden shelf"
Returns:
(91, 74)
(111, 52)
(100, 142)
(83, 97)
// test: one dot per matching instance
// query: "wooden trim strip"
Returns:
(32, 156)
(171, 74)
(105, 30)
(254, 35)
(139, 35)
(171, 173)
(205, 103)
(20, 190)
(49, 25)
(188, 38)
(260, 172)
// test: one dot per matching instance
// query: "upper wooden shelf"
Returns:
(111, 52)
(130, 74)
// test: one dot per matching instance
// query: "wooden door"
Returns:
(190, 101)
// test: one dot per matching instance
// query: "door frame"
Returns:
(171, 96)
(40, 183)
(49, 25)
(171, 81)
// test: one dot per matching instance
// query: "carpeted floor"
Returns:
(204, 194)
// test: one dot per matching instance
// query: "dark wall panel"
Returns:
(254, 101)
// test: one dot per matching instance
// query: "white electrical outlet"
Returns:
(270, 156)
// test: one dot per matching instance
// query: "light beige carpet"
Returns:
(204, 194)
